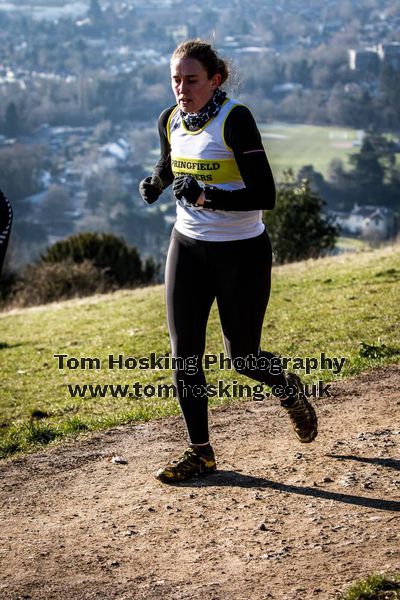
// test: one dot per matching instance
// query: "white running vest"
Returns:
(205, 155)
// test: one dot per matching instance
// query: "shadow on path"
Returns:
(233, 478)
(5, 345)
(383, 462)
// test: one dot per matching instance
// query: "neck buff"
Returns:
(211, 109)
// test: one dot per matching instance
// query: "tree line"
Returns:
(88, 263)
(85, 85)
(331, 95)
(373, 176)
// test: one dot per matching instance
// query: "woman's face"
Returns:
(191, 85)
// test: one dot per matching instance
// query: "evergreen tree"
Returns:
(297, 227)
(95, 13)
(390, 88)
(374, 169)
(11, 121)
(367, 168)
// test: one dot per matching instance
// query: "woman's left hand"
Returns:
(186, 186)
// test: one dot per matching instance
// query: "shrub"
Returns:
(81, 265)
(297, 227)
(8, 281)
(375, 587)
(120, 262)
(44, 283)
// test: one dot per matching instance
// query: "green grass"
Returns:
(294, 146)
(343, 306)
(375, 587)
(298, 145)
(348, 244)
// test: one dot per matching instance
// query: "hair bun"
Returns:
(206, 55)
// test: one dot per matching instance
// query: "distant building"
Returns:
(368, 221)
(365, 60)
(119, 150)
(378, 224)
(287, 88)
(178, 33)
(369, 60)
(328, 29)
(390, 54)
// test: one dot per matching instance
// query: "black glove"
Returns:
(150, 189)
(186, 187)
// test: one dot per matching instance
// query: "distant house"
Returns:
(370, 59)
(73, 175)
(286, 88)
(369, 221)
(377, 224)
(253, 50)
(115, 153)
(177, 32)
(365, 60)
(328, 29)
(390, 54)
(36, 199)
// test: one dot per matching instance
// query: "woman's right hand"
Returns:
(150, 189)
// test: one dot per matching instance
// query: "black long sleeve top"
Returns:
(242, 135)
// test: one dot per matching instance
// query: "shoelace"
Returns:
(299, 409)
(187, 455)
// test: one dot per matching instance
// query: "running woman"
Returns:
(5, 226)
(212, 154)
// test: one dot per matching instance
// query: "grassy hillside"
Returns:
(345, 306)
(298, 145)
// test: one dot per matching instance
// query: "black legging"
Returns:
(5, 226)
(238, 275)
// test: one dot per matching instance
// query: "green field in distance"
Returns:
(298, 145)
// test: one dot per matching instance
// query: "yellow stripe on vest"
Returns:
(213, 171)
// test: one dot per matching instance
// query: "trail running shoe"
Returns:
(191, 463)
(301, 412)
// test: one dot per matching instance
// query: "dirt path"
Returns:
(280, 519)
